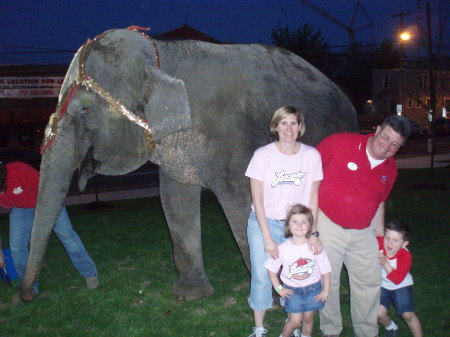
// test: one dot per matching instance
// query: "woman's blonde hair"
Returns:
(298, 209)
(282, 113)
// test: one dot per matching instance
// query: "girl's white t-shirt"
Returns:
(301, 267)
(287, 179)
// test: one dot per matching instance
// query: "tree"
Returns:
(305, 41)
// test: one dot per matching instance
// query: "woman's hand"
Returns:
(315, 245)
(271, 248)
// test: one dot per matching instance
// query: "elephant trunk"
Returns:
(56, 171)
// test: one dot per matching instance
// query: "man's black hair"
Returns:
(399, 124)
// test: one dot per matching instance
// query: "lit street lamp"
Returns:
(404, 37)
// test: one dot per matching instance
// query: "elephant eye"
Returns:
(85, 110)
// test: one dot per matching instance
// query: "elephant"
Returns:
(198, 110)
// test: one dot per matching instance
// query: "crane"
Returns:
(350, 29)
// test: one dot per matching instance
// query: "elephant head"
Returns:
(115, 106)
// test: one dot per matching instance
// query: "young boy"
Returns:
(396, 285)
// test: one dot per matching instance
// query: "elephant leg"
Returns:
(181, 204)
(236, 206)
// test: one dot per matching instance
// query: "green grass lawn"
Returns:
(131, 246)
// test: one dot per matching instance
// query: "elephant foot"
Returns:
(27, 296)
(192, 290)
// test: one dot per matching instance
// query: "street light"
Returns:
(404, 37)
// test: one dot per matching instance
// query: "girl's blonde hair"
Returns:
(283, 112)
(298, 209)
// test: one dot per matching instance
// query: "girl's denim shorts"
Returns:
(302, 300)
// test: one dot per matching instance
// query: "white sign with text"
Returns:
(30, 87)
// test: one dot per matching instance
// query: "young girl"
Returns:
(305, 276)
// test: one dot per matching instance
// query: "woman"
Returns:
(282, 173)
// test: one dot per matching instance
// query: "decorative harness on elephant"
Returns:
(87, 82)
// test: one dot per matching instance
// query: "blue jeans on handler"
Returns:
(20, 225)
(260, 286)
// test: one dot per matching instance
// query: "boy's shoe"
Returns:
(258, 332)
(296, 333)
(393, 333)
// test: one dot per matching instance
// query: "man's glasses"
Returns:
(386, 140)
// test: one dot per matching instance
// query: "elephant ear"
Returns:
(167, 106)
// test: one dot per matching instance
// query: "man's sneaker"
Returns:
(393, 333)
(258, 332)
(92, 282)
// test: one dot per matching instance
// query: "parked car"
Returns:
(442, 126)
(417, 130)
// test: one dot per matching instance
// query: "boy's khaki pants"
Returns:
(358, 250)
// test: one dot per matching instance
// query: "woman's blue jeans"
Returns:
(20, 225)
(260, 286)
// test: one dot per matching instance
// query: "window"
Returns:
(417, 103)
(410, 102)
(423, 81)
(386, 82)
(447, 104)
(428, 103)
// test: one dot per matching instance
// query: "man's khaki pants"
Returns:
(358, 250)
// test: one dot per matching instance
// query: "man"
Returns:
(359, 173)
(18, 191)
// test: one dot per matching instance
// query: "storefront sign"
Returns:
(30, 87)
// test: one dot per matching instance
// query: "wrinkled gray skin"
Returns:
(209, 108)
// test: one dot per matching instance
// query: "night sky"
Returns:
(55, 25)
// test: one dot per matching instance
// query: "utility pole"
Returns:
(432, 112)
(402, 61)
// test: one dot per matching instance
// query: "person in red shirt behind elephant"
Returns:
(19, 184)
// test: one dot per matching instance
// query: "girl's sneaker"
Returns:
(259, 332)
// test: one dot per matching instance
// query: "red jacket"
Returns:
(22, 182)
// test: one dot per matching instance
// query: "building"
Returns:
(407, 91)
(28, 95)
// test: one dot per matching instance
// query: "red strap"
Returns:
(138, 28)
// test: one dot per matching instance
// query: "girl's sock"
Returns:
(392, 326)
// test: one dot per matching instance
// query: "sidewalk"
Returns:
(440, 160)
(134, 193)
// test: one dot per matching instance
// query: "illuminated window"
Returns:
(447, 104)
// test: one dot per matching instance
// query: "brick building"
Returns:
(408, 91)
